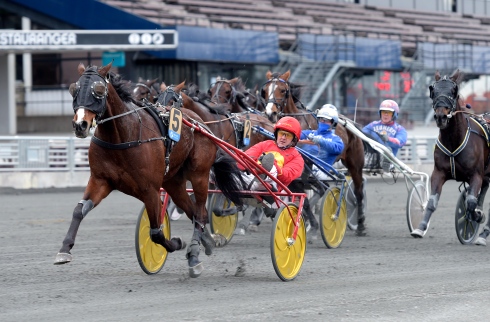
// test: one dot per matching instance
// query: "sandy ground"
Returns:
(385, 276)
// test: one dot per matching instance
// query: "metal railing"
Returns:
(57, 154)
(38, 153)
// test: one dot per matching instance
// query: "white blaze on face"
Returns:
(268, 107)
(80, 115)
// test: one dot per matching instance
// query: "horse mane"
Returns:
(123, 88)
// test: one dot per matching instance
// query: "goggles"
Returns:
(288, 135)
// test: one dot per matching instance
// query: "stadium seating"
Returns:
(290, 17)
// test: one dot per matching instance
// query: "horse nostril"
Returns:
(83, 125)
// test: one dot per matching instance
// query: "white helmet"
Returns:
(328, 111)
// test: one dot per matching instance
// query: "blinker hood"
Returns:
(85, 96)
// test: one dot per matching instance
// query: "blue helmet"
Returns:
(389, 105)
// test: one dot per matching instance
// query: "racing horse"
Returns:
(217, 117)
(282, 99)
(235, 93)
(458, 131)
(131, 152)
(146, 90)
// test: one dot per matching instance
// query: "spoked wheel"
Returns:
(333, 229)
(416, 203)
(151, 256)
(226, 223)
(466, 228)
(351, 202)
(287, 254)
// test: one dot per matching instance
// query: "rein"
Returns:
(125, 145)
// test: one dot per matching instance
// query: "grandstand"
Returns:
(291, 17)
(351, 53)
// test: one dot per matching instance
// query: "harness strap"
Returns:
(122, 146)
(458, 150)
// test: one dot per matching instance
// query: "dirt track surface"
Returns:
(385, 276)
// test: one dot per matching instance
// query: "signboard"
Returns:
(55, 40)
(118, 58)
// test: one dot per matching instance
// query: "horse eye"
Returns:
(72, 89)
(99, 89)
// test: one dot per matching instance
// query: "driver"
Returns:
(386, 130)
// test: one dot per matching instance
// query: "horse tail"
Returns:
(228, 177)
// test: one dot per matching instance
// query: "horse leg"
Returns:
(153, 205)
(94, 193)
(472, 200)
(359, 189)
(437, 180)
(482, 238)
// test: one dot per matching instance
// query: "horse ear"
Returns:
(104, 70)
(163, 86)
(437, 76)
(153, 81)
(81, 68)
(268, 75)
(285, 76)
(455, 76)
(431, 91)
(140, 80)
(179, 87)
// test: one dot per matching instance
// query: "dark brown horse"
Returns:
(461, 153)
(280, 96)
(235, 93)
(217, 117)
(146, 90)
(131, 152)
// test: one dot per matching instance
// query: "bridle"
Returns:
(444, 98)
(215, 98)
(150, 89)
(272, 99)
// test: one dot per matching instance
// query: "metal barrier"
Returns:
(38, 153)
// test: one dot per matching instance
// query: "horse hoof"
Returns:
(417, 233)
(219, 240)
(62, 258)
(180, 243)
(481, 241)
(360, 233)
(196, 271)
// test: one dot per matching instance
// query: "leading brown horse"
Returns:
(462, 153)
(131, 152)
(282, 99)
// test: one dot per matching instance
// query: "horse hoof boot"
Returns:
(195, 271)
(62, 258)
(208, 242)
(481, 241)
(417, 233)
(253, 228)
(179, 242)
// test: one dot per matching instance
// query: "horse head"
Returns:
(146, 90)
(225, 91)
(89, 97)
(444, 93)
(276, 94)
(171, 94)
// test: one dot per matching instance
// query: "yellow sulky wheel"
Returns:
(151, 256)
(287, 255)
(333, 230)
(224, 225)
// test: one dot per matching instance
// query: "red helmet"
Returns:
(289, 124)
